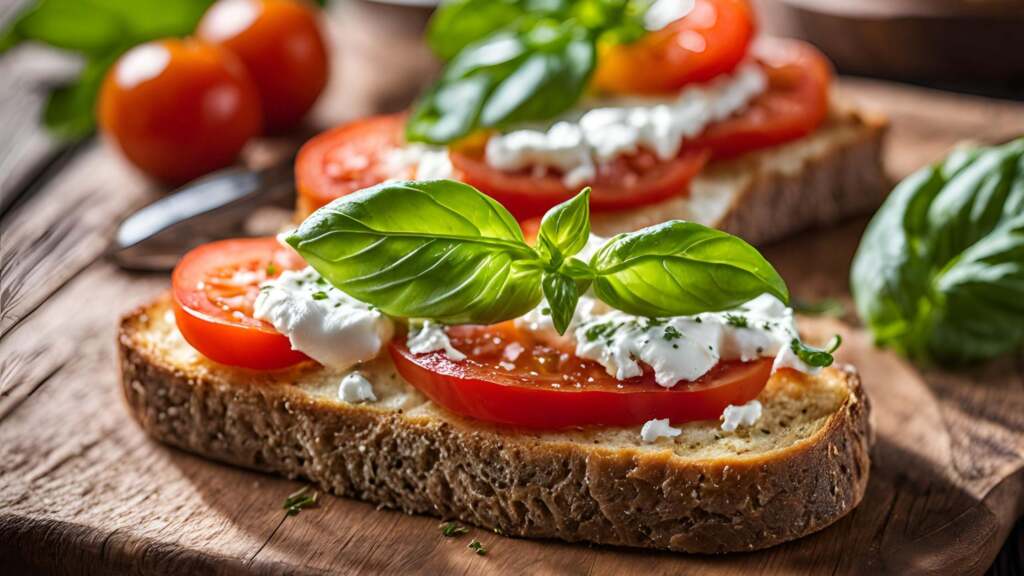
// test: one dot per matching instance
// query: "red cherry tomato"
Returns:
(547, 388)
(710, 40)
(794, 105)
(179, 108)
(279, 42)
(347, 158)
(626, 182)
(215, 287)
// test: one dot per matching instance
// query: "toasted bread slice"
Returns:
(800, 468)
(834, 173)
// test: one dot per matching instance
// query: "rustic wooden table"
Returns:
(83, 490)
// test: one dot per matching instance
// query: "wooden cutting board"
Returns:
(83, 490)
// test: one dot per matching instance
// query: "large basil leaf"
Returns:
(937, 274)
(435, 249)
(680, 268)
(503, 79)
(980, 296)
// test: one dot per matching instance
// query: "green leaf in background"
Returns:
(76, 25)
(515, 61)
(458, 24)
(565, 229)
(99, 30)
(438, 250)
(69, 112)
(681, 268)
(938, 274)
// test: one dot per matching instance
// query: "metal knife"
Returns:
(211, 208)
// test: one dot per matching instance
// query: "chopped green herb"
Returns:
(451, 529)
(320, 281)
(672, 334)
(298, 500)
(271, 269)
(814, 356)
(545, 311)
(477, 547)
(736, 320)
(599, 331)
(319, 295)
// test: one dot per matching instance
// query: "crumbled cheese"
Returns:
(744, 415)
(652, 430)
(420, 162)
(579, 143)
(356, 388)
(685, 347)
(321, 321)
(431, 337)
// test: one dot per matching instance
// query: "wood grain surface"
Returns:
(83, 490)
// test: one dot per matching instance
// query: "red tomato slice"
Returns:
(214, 288)
(627, 182)
(547, 388)
(795, 104)
(347, 158)
(711, 39)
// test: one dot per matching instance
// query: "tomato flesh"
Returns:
(348, 158)
(214, 289)
(711, 39)
(795, 104)
(626, 182)
(547, 388)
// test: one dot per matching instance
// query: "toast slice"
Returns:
(800, 468)
(832, 174)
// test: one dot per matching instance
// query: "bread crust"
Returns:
(517, 483)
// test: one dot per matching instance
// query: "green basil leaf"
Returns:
(681, 268)
(150, 19)
(565, 229)
(971, 202)
(562, 295)
(814, 356)
(437, 249)
(460, 23)
(935, 275)
(547, 82)
(70, 25)
(981, 298)
(69, 110)
(503, 79)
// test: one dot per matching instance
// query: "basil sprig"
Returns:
(939, 274)
(443, 251)
(515, 61)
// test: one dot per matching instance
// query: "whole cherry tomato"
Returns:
(179, 109)
(280, 44)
